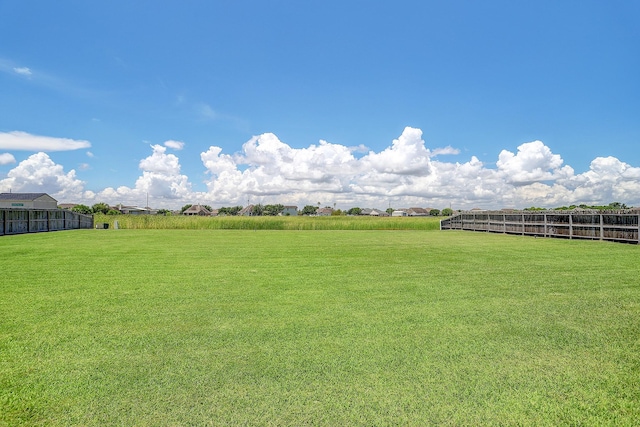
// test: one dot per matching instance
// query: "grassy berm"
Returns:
(239, 327)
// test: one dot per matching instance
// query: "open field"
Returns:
(236, 327)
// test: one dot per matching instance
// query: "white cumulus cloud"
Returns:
(6, 158)
(161, 163)
(161, 181)
(406, 173)
(533, 162)
(406, 156)
(27, 142)
(38, 173)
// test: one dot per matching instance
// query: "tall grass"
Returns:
(181, 222)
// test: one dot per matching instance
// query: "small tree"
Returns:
(447, 212)
(272, 210)
(354, 211)
(234, 210)
(114, 212)
(100, 208)
(389, 211)
(83, 209)
(257, 210)
(434, 212)
(309, 210)
(616, 205)
(165, 212)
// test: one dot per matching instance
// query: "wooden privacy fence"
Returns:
(17, 221)
(614, 226)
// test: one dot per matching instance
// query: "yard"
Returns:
(243, 327)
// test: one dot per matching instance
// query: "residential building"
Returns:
(324, 212)
(378, 212)
(246, 211)
(27, 201)
(418, 211)
(290, 211)
(133, 210)
(197, 210)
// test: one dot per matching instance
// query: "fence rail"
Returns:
(18, 221)
(613, 226)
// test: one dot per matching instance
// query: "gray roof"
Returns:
(21, 196)
(197, 208)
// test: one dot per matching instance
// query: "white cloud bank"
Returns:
(27, 142)
(38, 173)
(161, 181)
(407, 173)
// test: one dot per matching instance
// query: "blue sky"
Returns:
(417, 103)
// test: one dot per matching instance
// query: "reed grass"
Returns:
(182, 222)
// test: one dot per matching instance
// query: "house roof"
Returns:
(419, 210)
(376, 212)
(22, 196)
(197, 208)
(245, 210)
(122, 208)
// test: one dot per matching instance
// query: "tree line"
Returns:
(277, 209)
(613, 206)
(96, 208)
(256, 210)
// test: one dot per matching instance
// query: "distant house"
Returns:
(67, 206)
(366, 211)
(418, 211)
(27, 201)
(246, 211)
(197, 210)
(324, 212)
(399, 212)
(377, 212)
(289, 211)
(133, 210)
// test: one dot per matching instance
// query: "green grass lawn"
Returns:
(229, 327)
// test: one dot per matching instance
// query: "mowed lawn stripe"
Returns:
(227, 327)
